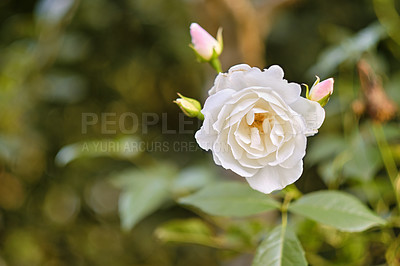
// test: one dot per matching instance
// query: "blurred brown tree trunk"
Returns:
(251, 24)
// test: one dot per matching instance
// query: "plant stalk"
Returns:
(387, 157)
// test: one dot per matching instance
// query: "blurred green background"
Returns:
(61, 187)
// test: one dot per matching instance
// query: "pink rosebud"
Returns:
(321, 91)
(205, 45)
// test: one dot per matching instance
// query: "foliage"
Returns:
(230, 199)
(281, 247)
(67, 188)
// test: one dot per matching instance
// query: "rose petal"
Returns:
(272, 178)
(221, 83)
(223, 152)
(206, 136)
(243, 76)
(251, 152)
(256, 139)
(312, 113)
(298, 153)
(284, 151)
(276, 134)
(242, 134)
(250, 116)
(237, 150)
(214, 103)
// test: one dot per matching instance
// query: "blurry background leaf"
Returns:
(193, 178)
(126, 177)
(187, 231)
(365, 160)
(143, 197)
(63, 87)
(389, 17)
(240, 236)
(52, 11)
(324, 147)
(142, 193)
(9, 147)
(123, 148)
(349, 49)
(393, 253)
(230, 199)
(392, 131)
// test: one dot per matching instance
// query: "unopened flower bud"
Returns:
(205, 46)
(189, 106)
(321, 91)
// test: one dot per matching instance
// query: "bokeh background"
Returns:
(66, 195)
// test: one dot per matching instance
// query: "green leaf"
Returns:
(280, 248)
(123, 148)
(239, 235)
(141, 199)
(349, 49)
(193, 178)
(393, 252)
(324, 148)
(143, 192)
(340, 210)
(365, 160)
(230, 199)
(187, 231)
(128, 177)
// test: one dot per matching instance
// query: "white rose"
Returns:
(256, 124)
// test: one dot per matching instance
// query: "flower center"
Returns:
(258, 121)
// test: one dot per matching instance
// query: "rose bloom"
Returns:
(256, 124)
